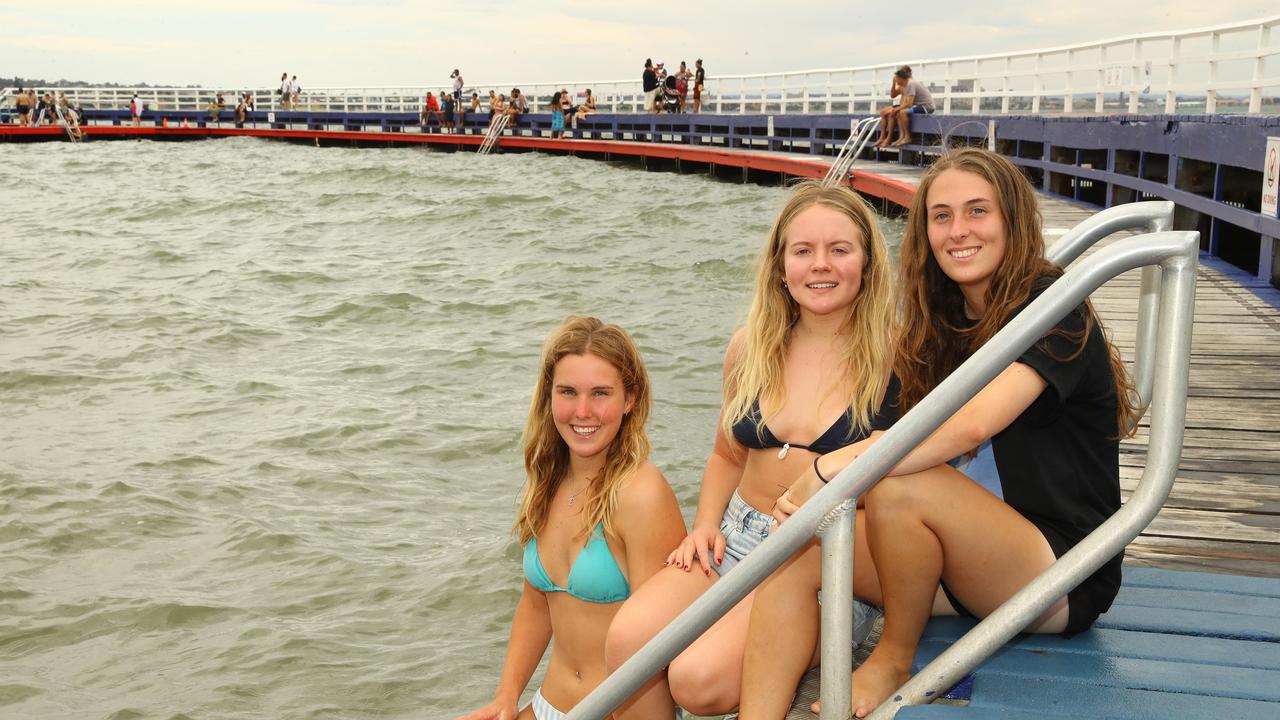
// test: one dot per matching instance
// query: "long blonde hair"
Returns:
(757, 372)
(546, 456)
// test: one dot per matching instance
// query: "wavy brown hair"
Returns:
(546, 456)
(867, 352)
(934, 337)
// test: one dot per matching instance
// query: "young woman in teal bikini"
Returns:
(597, 518)
(805, 376)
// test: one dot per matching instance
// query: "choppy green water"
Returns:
(260, 408)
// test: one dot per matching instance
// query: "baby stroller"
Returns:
(670, 95)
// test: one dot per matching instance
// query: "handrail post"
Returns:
(837, 611)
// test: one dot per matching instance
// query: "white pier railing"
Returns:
(1224, 68)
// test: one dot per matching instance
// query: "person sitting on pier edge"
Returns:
(493, 108)
(216, 104)
(430, 109)
(497, 107)
(916, 100)
(517, 106)
(588, 106)
(809, 373)
(1036, 451)
(566, 103)
(596, 519)
(474, 107)
(649, 81)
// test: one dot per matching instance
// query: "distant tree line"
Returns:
(37, 82)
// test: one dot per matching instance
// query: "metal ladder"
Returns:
(859, 134)
(1162, 358)
(74, 133)
(495, 131)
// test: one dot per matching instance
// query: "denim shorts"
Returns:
(743, 527)
(920, 109)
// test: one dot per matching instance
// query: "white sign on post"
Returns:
(1271, 178)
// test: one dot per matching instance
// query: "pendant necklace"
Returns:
(574, 496)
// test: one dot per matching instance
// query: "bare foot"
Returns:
(902, 141)
(873, 682)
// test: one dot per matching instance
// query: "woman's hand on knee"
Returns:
(705, 545)
(496, 710)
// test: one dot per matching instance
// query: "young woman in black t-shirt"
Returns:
(1040, 444)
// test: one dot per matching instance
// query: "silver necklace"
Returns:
(574, 496)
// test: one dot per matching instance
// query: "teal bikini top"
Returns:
(595, 576)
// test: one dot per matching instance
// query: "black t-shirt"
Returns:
(1059, 461)
(650, 79)
(699, 77)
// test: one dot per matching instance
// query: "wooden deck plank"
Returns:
(1036, 698)
(1122, 672)
(1113, 642)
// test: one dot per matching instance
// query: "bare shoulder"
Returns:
(645, 493)
(737, 345)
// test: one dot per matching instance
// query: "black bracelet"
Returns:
(818, 472)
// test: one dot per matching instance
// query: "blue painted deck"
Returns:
(1174, 643)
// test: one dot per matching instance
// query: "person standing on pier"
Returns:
(649, 81)
(23, 105)
(458, 85)
(595, 522)
(285, 92)
(295, 91)
(1013, 480)
(699, 79)
(135, 108)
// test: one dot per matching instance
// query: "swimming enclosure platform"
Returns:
(1162, 126)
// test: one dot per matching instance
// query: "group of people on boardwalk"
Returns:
(43, 109)
(832, 353)
(290, 92)
(669, 92)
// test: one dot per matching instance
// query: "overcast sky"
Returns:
(241, 43)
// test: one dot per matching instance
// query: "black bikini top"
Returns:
(751, 431)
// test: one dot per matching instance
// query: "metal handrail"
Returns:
(859, 133)
(831, 509)
(1153, 216)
